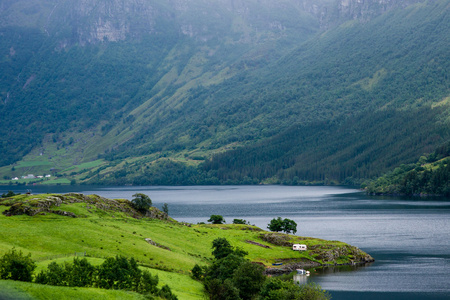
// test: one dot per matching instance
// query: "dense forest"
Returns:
(430, 175)
(299, 93)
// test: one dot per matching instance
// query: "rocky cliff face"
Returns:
(365, 10)
(334, 12)
(91, 21)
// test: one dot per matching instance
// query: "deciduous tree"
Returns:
(276, 225)
(286, 225)
(141, 202)
(216, 219)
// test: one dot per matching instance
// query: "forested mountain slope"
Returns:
(429, 176)
(359, 106)
(121, 91)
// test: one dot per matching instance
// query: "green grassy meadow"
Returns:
(101, 230)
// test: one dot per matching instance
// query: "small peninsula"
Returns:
(55, 228)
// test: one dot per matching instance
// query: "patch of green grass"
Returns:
(183, 286)
(56, 181)
(22, 181)
(85, 166)
(25, 290)
(27, 164)
(12, 290)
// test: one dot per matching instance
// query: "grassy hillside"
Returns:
(58, 226)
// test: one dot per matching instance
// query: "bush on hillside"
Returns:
(16, 266)
(240, 221)
(80, 273)
(222, 248)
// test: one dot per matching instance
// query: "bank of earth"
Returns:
(54, 227)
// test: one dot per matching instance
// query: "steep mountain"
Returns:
(135, 91)
(368, 102)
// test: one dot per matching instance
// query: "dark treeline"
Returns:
(429, 176)
(163, 172)
(330, 152)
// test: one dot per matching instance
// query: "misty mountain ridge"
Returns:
(122, 91)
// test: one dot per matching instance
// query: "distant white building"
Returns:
(48, 176)
(15, 178)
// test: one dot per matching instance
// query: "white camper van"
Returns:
(299, 247)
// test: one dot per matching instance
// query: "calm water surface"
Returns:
(409, 238)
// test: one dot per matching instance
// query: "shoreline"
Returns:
(289, 268)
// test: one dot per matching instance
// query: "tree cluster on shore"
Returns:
(233, 277)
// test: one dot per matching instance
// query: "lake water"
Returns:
(409, 238)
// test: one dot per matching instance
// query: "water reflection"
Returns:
(326, 270)
(300, 279)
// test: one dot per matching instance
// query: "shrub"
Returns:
(148, 283)
(118, 273)
(240, 221)
(221, 248)
(166, 293)
(248, 278)
(197, 272)
(224, 268)
(16, 266)
(81, 273)
(54, 275)
(218, 289)
(165, 208)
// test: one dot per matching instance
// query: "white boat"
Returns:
(302, 272)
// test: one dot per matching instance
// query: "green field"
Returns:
(104, 228)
